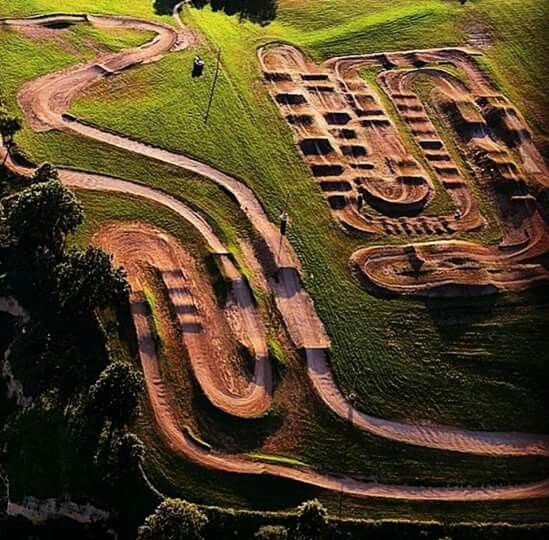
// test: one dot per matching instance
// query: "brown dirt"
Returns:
(204, 328)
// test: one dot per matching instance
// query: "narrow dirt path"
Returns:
(297, 311)
(432, 436)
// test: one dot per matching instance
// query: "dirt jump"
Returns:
(45, 101)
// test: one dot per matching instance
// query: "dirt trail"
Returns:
(45, 99)
(432, 436)
(442, 437)
(453, 268)
(478, 85)
(463, 268)
(203, 327)
(304, 325)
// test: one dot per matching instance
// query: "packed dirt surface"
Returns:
(45, 101)
(46, 98)
(357, 154)
(445, 269)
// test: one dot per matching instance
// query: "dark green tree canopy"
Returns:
(174, 519)
(119, 456)
(9, 125)
(45, 173)
(116, 393)
(312, 521)
(129, 453)
(42, 215)
(258, 11)
(86, 280)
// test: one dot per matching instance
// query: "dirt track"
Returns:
(297, 311)
(202, 325)
(441, 437)
(357, 152)
(361, 160)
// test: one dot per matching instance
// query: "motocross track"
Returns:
(351, 163)
(203, 327)
(44, 102)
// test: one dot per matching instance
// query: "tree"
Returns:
(312, 521)
(272, 532)
(120, 457)
(9, 126)
(258, 11)
(116, 393)
(45, 173)
(86, 280)
(130, 452)
(42, 215)
(174, 519)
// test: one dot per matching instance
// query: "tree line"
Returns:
(176, 519)
(63, 351)
(257, 11)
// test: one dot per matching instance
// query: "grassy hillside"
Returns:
(321, 442)
(400, 356)
(477, 364)
(373, 350)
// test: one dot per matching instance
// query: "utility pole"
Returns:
(352, 399)
(283, 230)
(214, 84)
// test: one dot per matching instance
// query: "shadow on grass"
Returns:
(230, 433)
(454, 316)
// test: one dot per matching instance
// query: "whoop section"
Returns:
(359, 159)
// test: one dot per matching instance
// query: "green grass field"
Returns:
(478, 364)
(390, 372)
